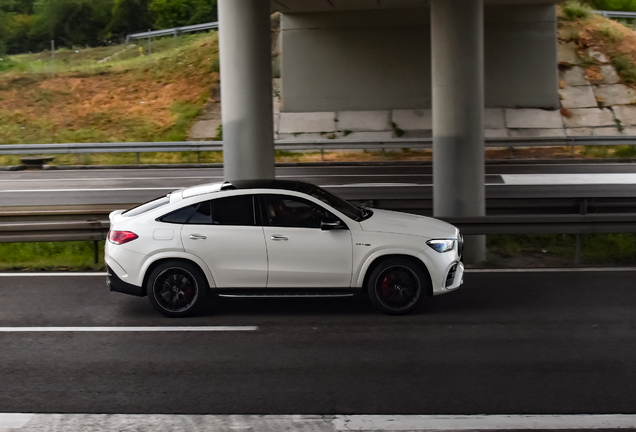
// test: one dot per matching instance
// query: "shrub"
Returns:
(624, 67)
(575, 10)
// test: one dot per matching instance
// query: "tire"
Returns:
(177, 288)
(398, 286)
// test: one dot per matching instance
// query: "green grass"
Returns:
(189, 157)
(574, 10)
(51, 256)
(86, 59)
(625, 67)
(596, 249)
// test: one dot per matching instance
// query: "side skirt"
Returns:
(286, 292)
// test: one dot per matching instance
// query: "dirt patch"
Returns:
(121, 104)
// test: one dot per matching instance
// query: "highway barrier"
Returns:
(305, 145)
(95, 227)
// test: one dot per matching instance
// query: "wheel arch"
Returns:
(375, 261)
(158, 259)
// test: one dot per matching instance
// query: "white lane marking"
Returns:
(13, 420)
(481, 422)
(18, 274)
(110, 179)
(356, 185)
(208, 177)
(553, 270)
(90, 190)
(568, 179)
(129, 329)
(324, 423)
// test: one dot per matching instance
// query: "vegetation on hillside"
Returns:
(133, 97)
(588, 30)
(30, 25)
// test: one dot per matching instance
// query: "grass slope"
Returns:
(132, 97)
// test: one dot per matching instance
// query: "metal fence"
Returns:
(96, 229)
(304, 145)
(173, 31)
(616, 14)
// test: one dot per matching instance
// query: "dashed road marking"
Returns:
(129, 329)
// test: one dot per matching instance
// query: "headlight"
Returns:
(443, 245)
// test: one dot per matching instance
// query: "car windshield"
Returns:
(146, 207)
(343, 206)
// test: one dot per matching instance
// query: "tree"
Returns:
(177, 13)
(73, 22)
(614, 5)
(129, 16)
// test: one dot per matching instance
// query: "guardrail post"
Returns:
(96, 251)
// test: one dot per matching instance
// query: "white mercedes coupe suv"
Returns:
(277, 238)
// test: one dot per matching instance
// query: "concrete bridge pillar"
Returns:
(457, 37)
(246, 88)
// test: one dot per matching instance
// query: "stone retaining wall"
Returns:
(594, 103)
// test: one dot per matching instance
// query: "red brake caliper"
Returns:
(385, 286)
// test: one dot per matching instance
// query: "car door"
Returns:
(224, 233)
(300, 254)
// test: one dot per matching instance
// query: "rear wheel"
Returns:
(397, 286)
(176, 288)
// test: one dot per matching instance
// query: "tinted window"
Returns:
(238, 210)
(343, 206)
(288, 211)
(203, 215)
(179, 216)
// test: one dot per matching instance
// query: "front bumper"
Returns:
(455, 276)
(118, 285)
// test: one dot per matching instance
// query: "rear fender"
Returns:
(177, 255)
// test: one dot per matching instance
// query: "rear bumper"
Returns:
(118, 285)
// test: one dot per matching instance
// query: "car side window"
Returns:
(293, 212)
(179, 216)
(236, 210)
(202, 215)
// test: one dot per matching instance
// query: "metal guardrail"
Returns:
(173, 31)
(323, 144)
(513, 224)
(616, 14)
(53, 231)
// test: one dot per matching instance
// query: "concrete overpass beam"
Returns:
(457, 36)
(246, 89)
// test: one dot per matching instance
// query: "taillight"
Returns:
(121, 237)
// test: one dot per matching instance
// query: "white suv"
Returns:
(277, 238)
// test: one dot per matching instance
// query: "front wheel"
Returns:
(176, 288)
(397, 286)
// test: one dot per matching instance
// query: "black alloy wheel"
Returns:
(397, 286)
(176, 288)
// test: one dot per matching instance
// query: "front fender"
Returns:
(369, 259)
(176, 255)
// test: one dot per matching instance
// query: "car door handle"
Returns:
(279, 238)
(198, 237)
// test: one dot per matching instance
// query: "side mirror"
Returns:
(330, 224)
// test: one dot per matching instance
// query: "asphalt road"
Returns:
(405, 181)
(505, 343)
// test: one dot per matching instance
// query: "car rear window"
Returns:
(146, 207)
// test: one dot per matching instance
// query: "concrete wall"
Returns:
(378, 60)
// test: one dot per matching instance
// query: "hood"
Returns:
(403, 223)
